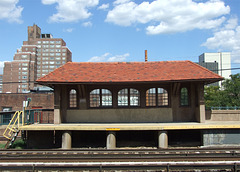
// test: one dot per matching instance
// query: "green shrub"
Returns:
(19, 144)
(2, 146)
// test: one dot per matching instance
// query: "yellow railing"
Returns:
(13, 125)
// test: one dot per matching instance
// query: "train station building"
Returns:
(109, 104)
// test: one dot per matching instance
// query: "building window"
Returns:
(184, 97)
(5, 119)
(134, 97)
(45, 46)
(100, 98)
(128, 97)
(73, 98)
(156, 97)
(123, 97)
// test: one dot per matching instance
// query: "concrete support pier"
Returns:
(67, 140)
(162, 139)
(111, 140)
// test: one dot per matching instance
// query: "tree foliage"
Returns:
(229, 95)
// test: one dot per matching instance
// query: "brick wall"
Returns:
(15, 100)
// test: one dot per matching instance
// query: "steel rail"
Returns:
(237, 148)
(232, 165)
(121, 159)
(113, 155)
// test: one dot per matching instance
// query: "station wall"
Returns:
(120, 115)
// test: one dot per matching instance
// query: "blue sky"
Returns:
(120, 30)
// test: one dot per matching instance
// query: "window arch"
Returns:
(123, 97)
(128, 97)
(73, 99)
(134, 97)
(100, 98)
(184, 97)
(156, 97)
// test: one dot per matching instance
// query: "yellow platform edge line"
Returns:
(118, 128)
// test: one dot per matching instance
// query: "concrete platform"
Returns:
(132, 126)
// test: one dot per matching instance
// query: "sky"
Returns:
(121, 30)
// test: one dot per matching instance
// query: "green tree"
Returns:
(229, 95)
(212, 95)
(231, 91)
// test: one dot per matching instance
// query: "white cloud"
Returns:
(226, 38)
(87, 24)
(118, 58)
(107, 57)
(103, 7)
(68, 30)
(71, 10)
(168, 16)
(120, 2)
(10, 11)
(99, 58)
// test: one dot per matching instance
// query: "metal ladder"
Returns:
(12, 130)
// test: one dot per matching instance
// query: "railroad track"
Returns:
(121, 159)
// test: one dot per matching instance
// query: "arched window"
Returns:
(156, 97)
(106, 96)
(73, 98)
(100, 98)
(95, 98)
(123, 97)
(134, 97)
(184, 97)
(162, 97)
(128, 97)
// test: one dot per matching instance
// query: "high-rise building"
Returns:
(219, 63)
(222, 59)
(38, 56)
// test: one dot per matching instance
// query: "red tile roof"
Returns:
(105, 72)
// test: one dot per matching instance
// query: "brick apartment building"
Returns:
(38, 56)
